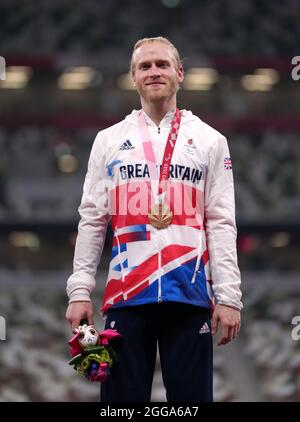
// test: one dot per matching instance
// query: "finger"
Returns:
(74, 324)
(236, 330)
(228, 337)
(230, 334)
(222, 341)
(90, 319)
(214, 324)
(224, 335)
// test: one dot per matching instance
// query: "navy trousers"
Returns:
(183, 335)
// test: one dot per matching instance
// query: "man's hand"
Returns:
(77, 311)
(230, 319)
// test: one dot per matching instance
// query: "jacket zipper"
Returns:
(196, 268)
(198, 261)
(159, 299)
(119, 253)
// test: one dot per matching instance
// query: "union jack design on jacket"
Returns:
(194, 259)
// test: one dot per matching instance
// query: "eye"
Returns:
(162, 65)
(93, 332)
(81, 335)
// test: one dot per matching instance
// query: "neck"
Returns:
(156, 111)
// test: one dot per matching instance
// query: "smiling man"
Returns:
(156, 72)
(173, 276)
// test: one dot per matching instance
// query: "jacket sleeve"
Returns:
(221, 226)
(92, 226)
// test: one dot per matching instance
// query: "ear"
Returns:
(180, 74)
(132, 77)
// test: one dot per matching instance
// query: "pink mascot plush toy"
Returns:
(92, 354)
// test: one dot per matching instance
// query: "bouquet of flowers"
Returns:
(92, 354)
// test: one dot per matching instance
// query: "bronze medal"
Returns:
(160, 216)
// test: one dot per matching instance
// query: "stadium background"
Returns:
(66, 78)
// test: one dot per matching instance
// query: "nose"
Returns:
(154, 71)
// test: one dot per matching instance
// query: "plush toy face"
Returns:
(88, 336)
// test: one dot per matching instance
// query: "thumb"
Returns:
(90, 319)
(214, 323)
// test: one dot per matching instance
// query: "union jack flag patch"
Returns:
(227, 163)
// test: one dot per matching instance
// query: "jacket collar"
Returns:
(186, 116)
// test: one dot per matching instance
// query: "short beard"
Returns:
(157, 99)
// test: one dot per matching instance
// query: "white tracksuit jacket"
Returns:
(194, 259)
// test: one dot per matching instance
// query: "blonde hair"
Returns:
(160, 39)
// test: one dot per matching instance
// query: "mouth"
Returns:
(155, 83)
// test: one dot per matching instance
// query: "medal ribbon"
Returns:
(163, 176)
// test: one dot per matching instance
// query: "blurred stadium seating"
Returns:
(46, 133)
(228, 27)
(267, 334)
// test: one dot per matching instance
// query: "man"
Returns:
(165, 179)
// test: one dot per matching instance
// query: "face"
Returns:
(155, 74)
(88, 336)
